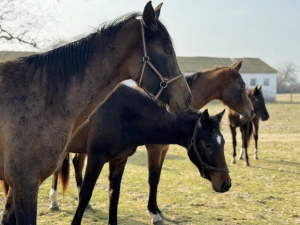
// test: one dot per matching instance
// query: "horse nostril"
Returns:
(225, 187)
(265, 117)
(189, 100)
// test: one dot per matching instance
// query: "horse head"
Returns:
(206, 151)
(234, 93)
(258, 103)
(159, 74)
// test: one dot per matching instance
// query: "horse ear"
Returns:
(157, 11)
(204, 116)
(220, 115)
(258, 87)
(236, 66)
(149, 15)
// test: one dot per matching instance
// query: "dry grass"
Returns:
(267, 192)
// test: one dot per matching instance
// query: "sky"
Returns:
(265, 29)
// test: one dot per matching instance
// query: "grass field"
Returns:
(267, 192)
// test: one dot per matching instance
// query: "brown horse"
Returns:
(250, 126)
(114, 131)
(46, 97)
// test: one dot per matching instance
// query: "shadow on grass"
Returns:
(99, 217)
(286, 163)
(281, 169)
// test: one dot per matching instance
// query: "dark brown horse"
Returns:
(45, 98)
(248, 127)
(113, 132)
(224, 84)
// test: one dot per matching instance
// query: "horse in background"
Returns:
(46, 97)
(248, 127)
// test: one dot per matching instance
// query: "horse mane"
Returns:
(58, 64)
(191, 78)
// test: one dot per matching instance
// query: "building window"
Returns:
(266, 82)
(252, 82)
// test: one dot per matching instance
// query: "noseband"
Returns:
(146, 61)
(203, 164)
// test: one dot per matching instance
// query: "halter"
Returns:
(146, 61)
(203, 164)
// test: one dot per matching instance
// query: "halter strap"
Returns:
(146, 61)
(203, 164)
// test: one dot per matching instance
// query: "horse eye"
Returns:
(168, 52)
(254, 99)
(208, 146)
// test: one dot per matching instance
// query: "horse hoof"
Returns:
(255, 158)
(159, 223)
(54, 208)
(241, 158)
(156, 218)
(161, 215)
(233, 161)
(247, 164)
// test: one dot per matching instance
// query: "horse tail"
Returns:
(64, 174)
(250, 132)
(5, 188)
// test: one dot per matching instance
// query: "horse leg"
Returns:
(53, 192)
(116, 170)
(8, 215)
(156, 156)
(245, 136)
(242, 151)
(78, 162)
(165, 149)
(94, 166)
(63, 172)
(255, 123)
(24, 207)
(233, 135)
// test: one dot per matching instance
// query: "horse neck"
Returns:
(162, 128)
(205, 87)
(103, 73)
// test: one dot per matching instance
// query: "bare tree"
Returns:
(24, 24)
(287, 78)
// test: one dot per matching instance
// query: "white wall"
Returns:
(269, 91)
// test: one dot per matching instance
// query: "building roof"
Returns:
(198, 63)
(187, 64)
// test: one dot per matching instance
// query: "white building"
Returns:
(254, 71)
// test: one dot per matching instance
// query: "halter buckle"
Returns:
(163, 84)
(193, 141)
(146, 58)
(204, 167)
